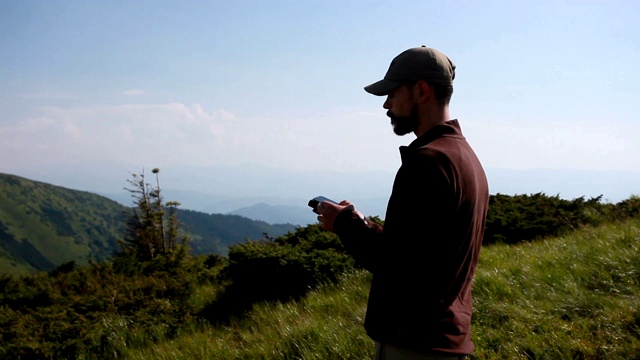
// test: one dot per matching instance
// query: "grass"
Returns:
(327, 324)
(10, 266)
(572, 297)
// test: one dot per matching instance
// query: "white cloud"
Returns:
(49, 96)
(225, 114)
(36, 124)
(175, 133)
(136, 133)
(535, 143)
(133, 92)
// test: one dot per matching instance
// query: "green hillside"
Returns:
(43, 226)
(571, 297)
(214, 233)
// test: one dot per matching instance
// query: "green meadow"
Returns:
(571, 297)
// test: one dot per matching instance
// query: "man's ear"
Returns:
(422, 91)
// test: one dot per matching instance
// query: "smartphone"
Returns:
(313, 203)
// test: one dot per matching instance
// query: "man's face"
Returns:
(402, 125)
(402, 110)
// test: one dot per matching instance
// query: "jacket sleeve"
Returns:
(361, 238)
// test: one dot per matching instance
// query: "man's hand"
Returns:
(328, 212)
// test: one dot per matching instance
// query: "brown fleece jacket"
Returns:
(423, 260)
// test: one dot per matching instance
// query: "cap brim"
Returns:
(382, 87)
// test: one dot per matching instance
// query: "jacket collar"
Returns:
(449, 128)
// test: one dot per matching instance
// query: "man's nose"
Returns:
(387, 104)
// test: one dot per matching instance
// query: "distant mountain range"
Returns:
(243, 189)
(370, 191)
(43, 226)
(277, 214)
(270, 209)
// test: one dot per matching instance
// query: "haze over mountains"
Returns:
(280, 196)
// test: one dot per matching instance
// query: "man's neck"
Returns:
(429, 119)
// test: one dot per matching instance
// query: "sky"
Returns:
(279, 84)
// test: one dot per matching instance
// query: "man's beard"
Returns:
(402, 125)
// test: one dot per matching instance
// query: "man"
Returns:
(423, 260)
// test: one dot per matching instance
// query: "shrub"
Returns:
(512, 219)
(279, 269)
(629, 208)
(72, 311)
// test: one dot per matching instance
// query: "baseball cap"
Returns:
(420, 63)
